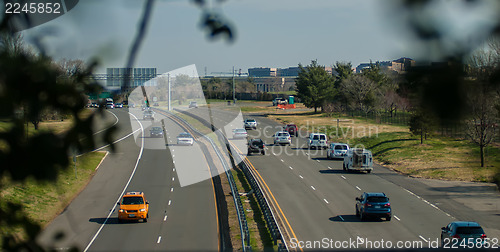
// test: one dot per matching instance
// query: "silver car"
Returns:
(337, 150)
(282, 138)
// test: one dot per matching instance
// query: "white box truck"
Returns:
(358, 159)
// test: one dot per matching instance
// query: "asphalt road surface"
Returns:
(318, 197)
(181, 217)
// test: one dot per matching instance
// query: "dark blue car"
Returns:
(373, 204)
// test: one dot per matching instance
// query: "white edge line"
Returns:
(124, 188)
(116, 122)
(102, 160)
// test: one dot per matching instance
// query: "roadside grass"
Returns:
(260, 237)
(43, 201)
(438, 158)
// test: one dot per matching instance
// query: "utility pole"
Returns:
(169, 93)
(234, 89)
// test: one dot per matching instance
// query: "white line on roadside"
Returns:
(124, 188)
(326, 201)
(165, 218)
(174, 161)
(119, 140)
(290, 167)
(159, 239)
(173, 178)
(423, 238)
(173, 170)
(173, 155)
(169, 202)
(282, 160)
(301, 177)
(357, 187)
(432, 205)
(313, 188)
(171, 189)
(342, 176)
(396, 217)
(102, 160)
(340, 216)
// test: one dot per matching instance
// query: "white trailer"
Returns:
(358, 159)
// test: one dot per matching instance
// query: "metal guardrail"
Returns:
(245, 234)
(261, 198)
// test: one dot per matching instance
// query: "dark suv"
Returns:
(460, 232)
(292, 129)
(373, 204)
(256, 146)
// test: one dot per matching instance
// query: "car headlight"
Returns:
(121, 211)
(143, 210)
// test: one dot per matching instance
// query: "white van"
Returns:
(317, 140)
(358, 159)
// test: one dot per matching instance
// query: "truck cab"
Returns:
(358, 159)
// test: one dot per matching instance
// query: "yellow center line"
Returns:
(272, 195)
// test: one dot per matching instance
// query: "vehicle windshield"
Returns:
(315, 137)
(240, 131)
(132, 200)
(377, 199)
(283, 134)
(340, 147)
(470, 230)
(250, 120)
(258, 143)
(185, 135)
(156, 129)
(322, 137)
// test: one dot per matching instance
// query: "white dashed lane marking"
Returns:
(342, 176)
(159, 239)
(165, 218)
(326, 201)
(397, 218)
(357, 187)
(313, 188)
(290, 167)
(171, 189)
(169, 202)
(301, 177)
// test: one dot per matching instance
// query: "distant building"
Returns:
(262, 72)
(399, 66)
(116, 77)
(278, 72)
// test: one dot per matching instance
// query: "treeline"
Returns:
(460, 93)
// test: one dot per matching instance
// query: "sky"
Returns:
(277, 33)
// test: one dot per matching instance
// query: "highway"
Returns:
(317, 197)
(181, 217)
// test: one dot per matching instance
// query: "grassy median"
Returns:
(43, 201)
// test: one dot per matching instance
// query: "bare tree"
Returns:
(481, 125)
(360, 92)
